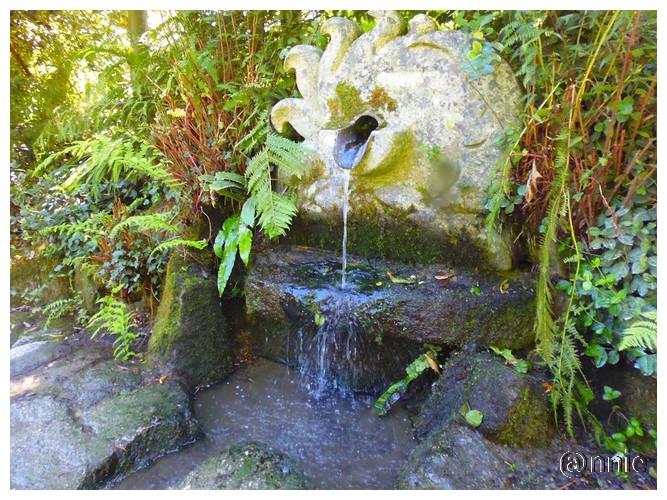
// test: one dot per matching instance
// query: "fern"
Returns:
(58, 308)
(168, 245)
(275, 211)
(104, 158)
(145, 223)
(642, 334)
(114, 318)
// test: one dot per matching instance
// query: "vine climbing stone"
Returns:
(401, 106)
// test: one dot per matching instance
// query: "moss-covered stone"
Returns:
(189, 337)
(246, 466)
(37, 279)
(287, 287)
(381, 100)
(80, 419)
(457, 459)
(515, 411)
(345, 106)
(390, 234)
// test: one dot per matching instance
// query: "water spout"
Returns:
(351, 142)
(349, 149)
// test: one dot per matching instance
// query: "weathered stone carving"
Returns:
(396, 105)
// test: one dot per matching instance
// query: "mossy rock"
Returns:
(246, 466)
(39, 280)
(458, 459)
(514, 408)
(190, 335)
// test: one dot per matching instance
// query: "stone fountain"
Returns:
(397, 110)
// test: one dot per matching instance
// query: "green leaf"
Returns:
(610, 394)
(227, 263)
(248, 212)
(474, 418)
(245, 244)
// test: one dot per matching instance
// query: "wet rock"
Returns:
(82, 419)
(430, 168)
(514, 408)
(377, 326)
(457, 459)
(189, 339)
(246, 466)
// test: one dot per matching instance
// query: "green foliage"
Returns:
(474, 418)
(236, 235)
(427, 360)
(59, 308)
(114, 319)
(518, 365)
(274, 210)
(579, 174)
(610, 394)
(641, 334)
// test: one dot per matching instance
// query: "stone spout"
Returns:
(351, 142)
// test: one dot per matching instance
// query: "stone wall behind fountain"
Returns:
(420, 173)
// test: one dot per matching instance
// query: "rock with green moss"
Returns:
(246, 466)
(80, 419)
(38, 280)
(190, 338)
(513, 405)
(375, 327)
(401, 107)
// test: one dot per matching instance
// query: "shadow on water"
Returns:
(338, 440)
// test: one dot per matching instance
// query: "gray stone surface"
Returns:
(432, 153)
(81, 419)
(27, 357)
(375, 328)
(246, 466)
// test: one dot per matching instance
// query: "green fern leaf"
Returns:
(642, 334)
(155, 222)
(168, 245)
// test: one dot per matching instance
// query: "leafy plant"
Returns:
(519, 365)
(236, 234)
(641, 334)
(114, 319)
(426, 360)
(610, 394)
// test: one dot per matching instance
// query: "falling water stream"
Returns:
(346, 208)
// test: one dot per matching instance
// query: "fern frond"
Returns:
(114, 318)
(642, 334)
(57, 309)
(168, 245)
(275, 211)
(154, 222)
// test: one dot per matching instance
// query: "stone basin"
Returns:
(362, 337)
